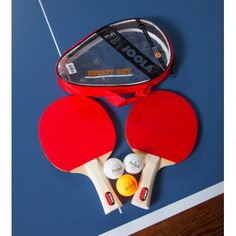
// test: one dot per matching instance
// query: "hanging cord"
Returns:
(49, 27)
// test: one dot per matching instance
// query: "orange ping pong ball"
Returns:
(126, 185)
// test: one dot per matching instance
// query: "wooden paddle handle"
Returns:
(142, 196)
(108, 198)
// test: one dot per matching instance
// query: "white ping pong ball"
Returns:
(113, 168)
(133, 163)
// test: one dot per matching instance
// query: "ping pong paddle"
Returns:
(163, 128)
(77, 136)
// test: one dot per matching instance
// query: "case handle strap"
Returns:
(119, 101)
(110, 96)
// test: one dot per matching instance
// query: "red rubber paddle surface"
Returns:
(74, 130)
(163, 124)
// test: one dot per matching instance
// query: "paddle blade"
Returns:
(74, 130)
(163, 124)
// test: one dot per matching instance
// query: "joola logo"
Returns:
(131, 53)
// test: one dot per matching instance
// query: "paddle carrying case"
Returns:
(123, 58)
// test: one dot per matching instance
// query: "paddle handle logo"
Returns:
(109, 198)
(143, 194)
